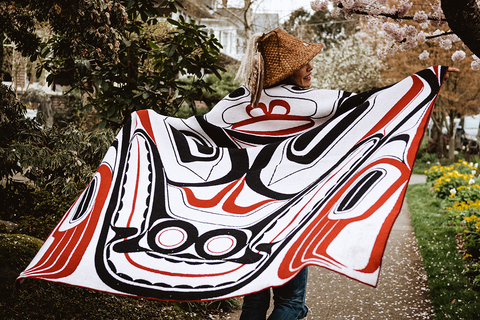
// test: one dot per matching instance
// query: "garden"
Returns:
(446, 218)
(133, 61)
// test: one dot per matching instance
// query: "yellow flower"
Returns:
(467, 256)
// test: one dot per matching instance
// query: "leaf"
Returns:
(111, 112)
(102, 124)
(153, 45)
(171, 50)
(174, 22)
(39, 72)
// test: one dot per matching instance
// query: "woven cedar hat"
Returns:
(283, 54)
(273, 57)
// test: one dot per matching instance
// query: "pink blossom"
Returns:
(424, 25)
(410, 43)
(335, 13)
(436, 39)
(421, 37)
(420, 17)
(475, 65)
(374, 11)
(404, 7)
(435, 23)
(436, 7)
(319, 5)
(458, 56)
(393, 31)
(392, 50)
(454, 38)
(348, 4)
(446, 44)
(361, 3)
(424, 55)
(410, 31)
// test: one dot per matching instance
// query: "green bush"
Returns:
(465, 193)
(221, 88)
(449, 182)
(34, 211)
(38, 299)
(455, 184)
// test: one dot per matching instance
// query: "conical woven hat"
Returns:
(283, 54)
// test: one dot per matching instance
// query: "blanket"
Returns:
(241, 198)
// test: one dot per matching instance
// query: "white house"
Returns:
(226, 23)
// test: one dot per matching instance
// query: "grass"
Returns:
(451, 290)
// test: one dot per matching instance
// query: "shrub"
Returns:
(465, 193)
(463, 167)
(466, 216)
(456, 184)
(38, 299)
(449, 182)
(221, 88)
(436, 172)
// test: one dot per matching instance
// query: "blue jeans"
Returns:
(289, 301)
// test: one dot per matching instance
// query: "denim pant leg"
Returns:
(255, 305)
(289, 299)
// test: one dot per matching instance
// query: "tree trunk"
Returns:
(463, 18)
(2, 38)
(451, 148)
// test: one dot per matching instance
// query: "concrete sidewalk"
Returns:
(402, 291)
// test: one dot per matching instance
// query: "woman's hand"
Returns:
(451, 69)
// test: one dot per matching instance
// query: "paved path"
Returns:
(402, 291)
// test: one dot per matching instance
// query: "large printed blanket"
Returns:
(243, 198)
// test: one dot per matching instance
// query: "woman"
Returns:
(272, 59)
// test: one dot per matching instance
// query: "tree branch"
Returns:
(394, 16)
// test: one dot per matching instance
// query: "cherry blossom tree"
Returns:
(350, 65)
(406, 25)
(459, 96)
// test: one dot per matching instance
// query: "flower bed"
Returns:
(457, 186)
